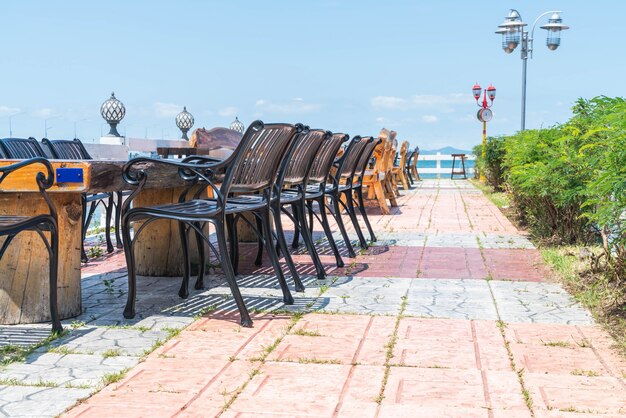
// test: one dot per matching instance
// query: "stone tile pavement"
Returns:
(451, 313)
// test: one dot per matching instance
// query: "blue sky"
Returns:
(351, 66)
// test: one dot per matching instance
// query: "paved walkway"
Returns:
(450, 314)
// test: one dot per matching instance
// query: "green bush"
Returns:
(546, 178)
(491, 165)
(568, 182)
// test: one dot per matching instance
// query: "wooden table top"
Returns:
(92, 176)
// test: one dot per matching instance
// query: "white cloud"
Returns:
(9, 111)
(430, 118)
(388, 102)
(228, 111)
(44, 113)
(166, 110)
(442, 102)
(297, 105)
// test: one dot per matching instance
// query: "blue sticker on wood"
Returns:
(69, 175)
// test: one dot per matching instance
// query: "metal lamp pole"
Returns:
(484, 114)
(513, 34)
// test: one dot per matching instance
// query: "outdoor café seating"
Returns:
(251, 168)
(275, 168)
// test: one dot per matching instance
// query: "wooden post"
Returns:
(158, 250)
(24, 269)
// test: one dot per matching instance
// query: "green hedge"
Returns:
(568, 182)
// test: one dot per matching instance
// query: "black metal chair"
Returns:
(11, 226)
(411, 166)
(294, 173)
(356, 184)
(252, 168)
(316, 191)
(21, 148)
(341, 184)
(74, 150)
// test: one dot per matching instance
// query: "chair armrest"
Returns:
(186, 171)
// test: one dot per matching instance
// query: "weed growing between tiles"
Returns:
(267, 350)
(390, 346)
(520, 372)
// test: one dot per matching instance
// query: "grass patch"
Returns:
(556, 344)
(114, 377)
(112, 352)
(62, 350)
(306, 333)
(606, 300)
(588, 373)
(500, 199)
(303, 360)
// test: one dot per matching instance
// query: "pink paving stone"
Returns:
(452, 263)
(228, 339)
(108, 263)
(563, 349)
(450, 344)
(343, 338)
(524, 264)
(168, 384)
(566, 414)
(443, 388)
(307, 389)
(405, 411)
(598, 394)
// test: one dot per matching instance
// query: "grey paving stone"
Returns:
(23, 335)
(452, 299)
(66, 369)
(97, 340)
(41, 402)
(537, 303)
(365, 295)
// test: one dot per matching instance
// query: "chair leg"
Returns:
(282, 244)
(259, 253)
(246, 321)
(201, 269)
(308, 241)
(183, 292)
(54, 271)
(342, 228)
(296, 232)
(353, 218)
(129, 310)
(83, 229)
(118, 219)
(359, 195)
(107, 223)
(233, 244)
(329, 235)
(379, 191)
(269, 247)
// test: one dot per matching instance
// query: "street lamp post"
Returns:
(513, 33)
(46, 128)
(75, 123)
(484, 114)
(11, 125)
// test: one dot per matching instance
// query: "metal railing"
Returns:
(431, 164)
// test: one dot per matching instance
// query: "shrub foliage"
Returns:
(568, 182)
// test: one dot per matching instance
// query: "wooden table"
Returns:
(24, 269)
